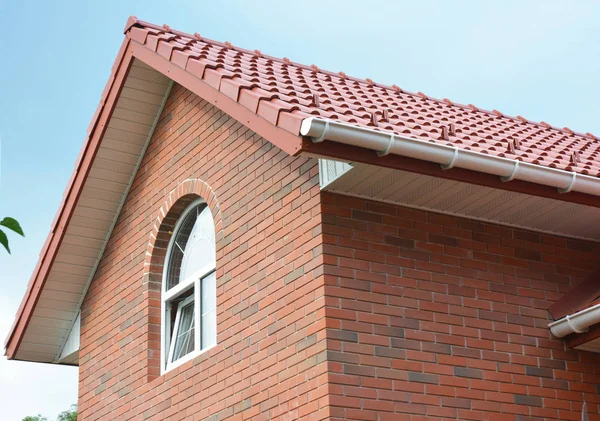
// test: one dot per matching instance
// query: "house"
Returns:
(245, 237)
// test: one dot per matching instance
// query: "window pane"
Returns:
(193, 246)
(200, 248)
(209, 310)
(174, 305)
(184, 342)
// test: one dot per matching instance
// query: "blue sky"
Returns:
(538, 59)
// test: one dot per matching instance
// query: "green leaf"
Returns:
(4, 241)
(12, 224)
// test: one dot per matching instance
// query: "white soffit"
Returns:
(461, 199)
(70, 351)
(121, 149)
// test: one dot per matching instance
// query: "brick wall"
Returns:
(271, 328)
(432, 317)
(429, 317)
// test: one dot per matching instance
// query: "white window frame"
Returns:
(181, 305)
(168, 338)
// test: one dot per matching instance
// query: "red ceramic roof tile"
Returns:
(273, 87)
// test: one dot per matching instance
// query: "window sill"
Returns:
(185, 359)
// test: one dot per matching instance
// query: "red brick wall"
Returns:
(432, 317)
(270, 357)
(429, 317)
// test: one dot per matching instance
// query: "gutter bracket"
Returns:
(388, 147)
(572, 326)
(452, 161)
(322, 136)
(570, 186)
(512, 174)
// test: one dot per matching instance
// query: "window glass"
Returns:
(184, 343)
(193, 246)
(200, 248)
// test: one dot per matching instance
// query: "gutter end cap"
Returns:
(306, 126)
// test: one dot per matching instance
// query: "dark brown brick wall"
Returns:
(432, 317)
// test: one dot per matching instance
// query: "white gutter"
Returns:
(576, 323)
(449, 156)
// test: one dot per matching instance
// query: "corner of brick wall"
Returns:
(432, 317)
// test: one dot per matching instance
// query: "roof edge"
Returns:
(251, 107)
(448, 157)
(70, 197)
(131, 21)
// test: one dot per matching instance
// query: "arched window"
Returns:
(189, 295)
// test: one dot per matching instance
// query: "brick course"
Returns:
(432, 317)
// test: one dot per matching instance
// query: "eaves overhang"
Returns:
(359, 144)
(408, 171)
(117, 137)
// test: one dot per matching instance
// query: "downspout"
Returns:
(577, 322)
(448, 156)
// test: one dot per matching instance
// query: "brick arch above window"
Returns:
(177, 200)
(168, 215)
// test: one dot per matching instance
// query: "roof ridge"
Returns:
(134, 21)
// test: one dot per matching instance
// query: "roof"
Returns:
(287, 88)
(272, 97)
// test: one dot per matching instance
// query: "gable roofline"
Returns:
(245, 98)
(248, 110)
